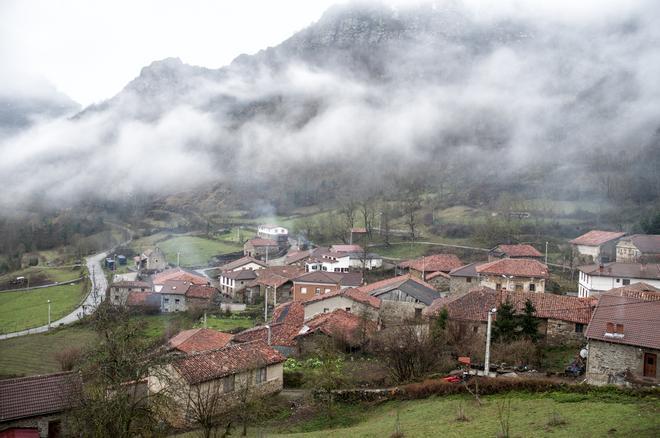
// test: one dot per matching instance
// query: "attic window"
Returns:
(614, 331)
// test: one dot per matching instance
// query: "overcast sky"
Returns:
(90, 49)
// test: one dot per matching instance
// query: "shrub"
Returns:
(293, 379)
(68, 358)
(556, 419)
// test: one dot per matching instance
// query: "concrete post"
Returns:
(488, 330)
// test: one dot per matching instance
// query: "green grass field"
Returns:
(227, 324)
(39, 275)
(193, 250)
(26, 309)
(530, 416)
(35, 354)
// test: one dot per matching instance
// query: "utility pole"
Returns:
(488, 330)
(178, 254)
(205, 319)
(48, 314)
(546, 253)
(265, 305)
(275, 297)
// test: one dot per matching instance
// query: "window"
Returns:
(519, 287)
(532, 287)
(166, 300)
(348, 309)
(579, 328)
(418, 313)
(260, 376)
(468, 279)
(303, 290)
(326, 310)
(498, 286)
(318, 291)
(650, 362)
(618, 280)
(228, 383)
(326, 290)
(176, 301)
(116, 297)
(626, 281)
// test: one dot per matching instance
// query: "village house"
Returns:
(240, 372)
(276, 280)
(201, 296)
(327, 261)
(199, 339)
(598, 278)
(624, 341)
(402, 298)
(316, 283)
(298, 258)
(518, 251)
(464, 279)
(264, 249)
(245, 262)
(177, 274)
(357, 257)
(638, 248)
(344, 328)
(152, 259)
(118, 292)
(144, 302)
(350, 300)
(280, 336)
(173, 295)
(513, 274)
(233, 282)
(432, 269)
(274, 232)
(34, 406)
(596, 246)
(562, 319)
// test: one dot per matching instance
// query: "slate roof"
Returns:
(199, 339)
(596, 237)
(241, 274)
(519, 250)
(338, 323)
(178, 274)
(638, 313)
(241, 262)
(214, 364)
(175, 287)
(26, 397)
(650, 271)
(515, 267)
(646, 243)
(432, 263)
(469, 270)
(409, 285)
(354, 294)
(201, 291)
(351, 279)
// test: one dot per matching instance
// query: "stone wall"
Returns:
(563, 332)
(394, 312)
(459, 286)
(607, 360)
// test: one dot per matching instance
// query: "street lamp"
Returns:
(48, 314)
(488, 330)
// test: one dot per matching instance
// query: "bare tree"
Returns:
(206, 406)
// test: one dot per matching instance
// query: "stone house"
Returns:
(596, 246)
(350, 300)
(522, 275)
(624, 341)
(177, 274)
(273, 280)
(281, 336)
(402, 298)
(316, 283)
(199, 339)
(274, 232)
(233, 282)
(593, 280)
(264, 249)
(464, 279)
(118, 292)
(201, 296)
(152, 259)
(426, 267)
(341, 326)
(173, 295)
(34, 406)
(518, 251)
(638, 248)
(230, 376)
(145, 302)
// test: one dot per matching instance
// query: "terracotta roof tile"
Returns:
(179, 274)
(257, 241)
(650, 271)
(200, 339)
(175, 287)
(356, 294)
(241, 262)
(338, 323)
(432, 263)
(201, 291)
(638, 312)
(282, 334)
(131, 284)
(520, 250)
(346, 248)
(32, 396)
(515, 267)
(143, 299)
(646, 243)
(292, 312)
(596, 237)
(214, 364)
(351, 279)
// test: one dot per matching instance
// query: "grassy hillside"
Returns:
(193, 250)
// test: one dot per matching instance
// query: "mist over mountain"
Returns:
(370, 96)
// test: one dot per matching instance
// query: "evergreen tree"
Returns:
(506, 323)
(440, 324)
(528, 322)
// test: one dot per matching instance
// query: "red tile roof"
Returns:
(276, 276)
(474, 305)
(214, 364)
(175, 287)
(201, 291)
(179, 274)
(346, 248)
(199, 339)
(32, 396)
(638, 312)
(281, 335)
(131, 284)
(292, 312)
(650, 271)
(257, 241)
(338, 323)
(432, 263)
(520, 250)
(296, 256)
(596, 237)
(352, 279)
(354, 294)
(241, 262)
(646, 243)
(394, 281)
(515, 267)
(143, 299)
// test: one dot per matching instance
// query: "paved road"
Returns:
(93, 299)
